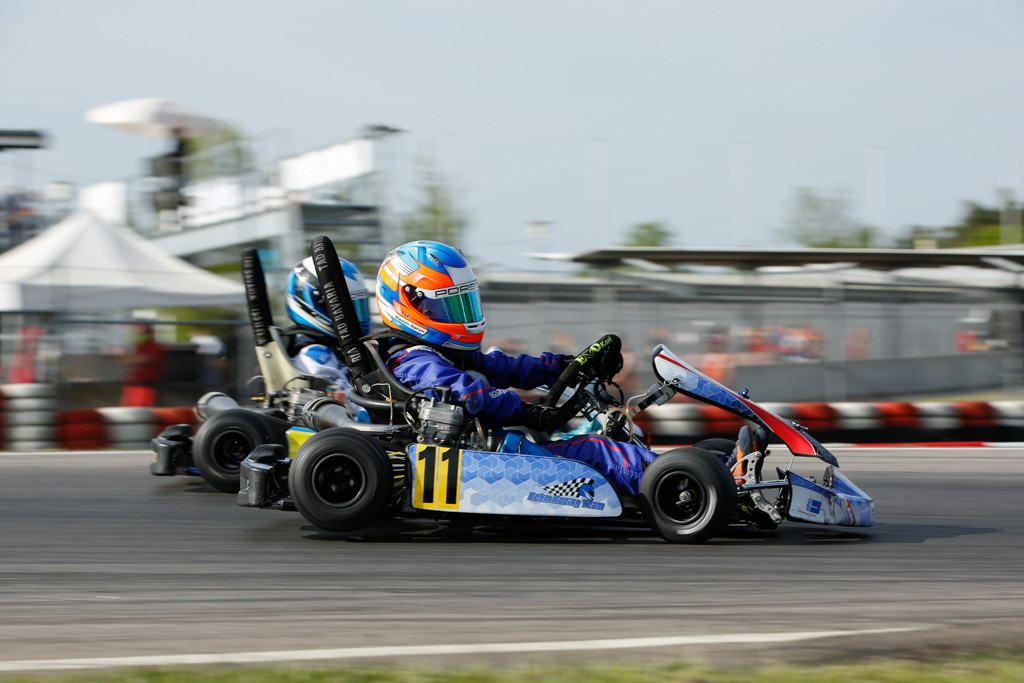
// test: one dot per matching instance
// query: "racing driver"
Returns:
(313, 339)
(429, 298)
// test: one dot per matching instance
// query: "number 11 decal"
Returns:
(438, 477)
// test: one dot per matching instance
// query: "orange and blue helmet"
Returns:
(305, 303)
(428, 290)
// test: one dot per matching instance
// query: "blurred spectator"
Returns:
(20, 215)
(212, 354)
(800, 344)
(145, 369)
(23, 361)
(716, 362)
(858, 342)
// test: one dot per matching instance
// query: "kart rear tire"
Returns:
(227, 438)
(340, 480)
(710, 495)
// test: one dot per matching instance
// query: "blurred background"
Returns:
(529, 134)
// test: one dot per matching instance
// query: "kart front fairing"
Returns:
(834, 501)
(689, 381)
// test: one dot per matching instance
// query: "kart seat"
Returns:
(379, 392)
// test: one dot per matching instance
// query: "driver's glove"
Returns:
(610, 365)
(543, 419)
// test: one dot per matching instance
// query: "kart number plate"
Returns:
(438, 476)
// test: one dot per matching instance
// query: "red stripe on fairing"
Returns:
(791, 436)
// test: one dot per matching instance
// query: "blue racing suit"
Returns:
(321, 361)
(483, 389)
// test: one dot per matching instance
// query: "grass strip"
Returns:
(1005, 665)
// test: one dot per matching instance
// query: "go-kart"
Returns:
(229, 431)
(436, 463)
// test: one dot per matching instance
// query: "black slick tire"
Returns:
(340, 480)
(687, 495)
(227, 438)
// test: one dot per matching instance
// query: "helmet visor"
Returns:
(460, 308)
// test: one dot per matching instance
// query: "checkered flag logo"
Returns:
(575, 488)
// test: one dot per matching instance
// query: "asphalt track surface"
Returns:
(103, 562)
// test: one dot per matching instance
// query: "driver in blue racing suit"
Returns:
(427, 294)
(314, 341)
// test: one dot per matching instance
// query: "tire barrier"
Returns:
(30, 421)
(129, 428)
(29, 416)
(880, 422)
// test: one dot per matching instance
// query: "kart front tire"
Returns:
(340, 480)
(687, 495)
(227, 438)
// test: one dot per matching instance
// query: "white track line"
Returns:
(426, 650)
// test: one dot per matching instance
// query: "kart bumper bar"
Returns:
(172, 452)
(263, 478)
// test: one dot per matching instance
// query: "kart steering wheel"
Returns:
(585, 367)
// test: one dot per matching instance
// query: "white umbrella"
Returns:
(153, 117)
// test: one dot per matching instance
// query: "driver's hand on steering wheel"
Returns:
(610, 359)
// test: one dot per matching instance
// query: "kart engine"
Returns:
(439, 423)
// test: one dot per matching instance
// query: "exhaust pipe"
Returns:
(326, 413)
(214, 402)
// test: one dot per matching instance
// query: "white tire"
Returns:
(21, 404)
(1008, 409)
(785, 410)
(29, 433)
(674, 411)
(855, 410)
(121, 415)
(119, 432)
(29, 417)
(28, 390)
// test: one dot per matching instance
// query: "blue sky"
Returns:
(591, 115)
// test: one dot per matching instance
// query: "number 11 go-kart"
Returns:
(438, 464)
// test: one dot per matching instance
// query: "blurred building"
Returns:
(207, 207)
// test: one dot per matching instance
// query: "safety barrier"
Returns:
(29, 416)
(888, 421)
(30, 421)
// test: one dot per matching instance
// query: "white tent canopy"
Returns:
(83, 264)
(153, 117)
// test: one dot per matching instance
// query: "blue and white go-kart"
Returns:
(431, 462)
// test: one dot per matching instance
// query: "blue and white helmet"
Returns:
(305, 303)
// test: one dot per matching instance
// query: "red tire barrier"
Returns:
(898, 415)
(77, 431)
(173, 416)
(975, 414)
(78, 416)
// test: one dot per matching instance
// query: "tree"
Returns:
(823, 220)
(436, 217)
(981, 226)
(650, 234)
